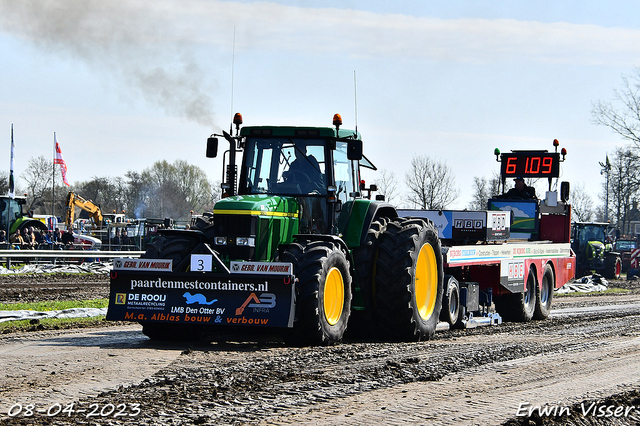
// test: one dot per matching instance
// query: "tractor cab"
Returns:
(291, 181)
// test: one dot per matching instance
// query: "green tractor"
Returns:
(594, 250)
(297, 201)
(13, 217)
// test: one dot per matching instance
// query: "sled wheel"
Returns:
(451, 312)
(519, 307)
(408, 280)
(544, 294)
(323, 293)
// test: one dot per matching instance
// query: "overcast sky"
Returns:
(126, 83)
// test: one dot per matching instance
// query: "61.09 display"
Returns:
(530, 164)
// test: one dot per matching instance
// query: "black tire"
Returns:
(364, 264)
(408, 280)
(165, 332)
(177, 248)
(323, 293)
(451, 312)
(519, 307)
(174, 247)
(544, 294)
(612, 267)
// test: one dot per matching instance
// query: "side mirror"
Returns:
(212, 147)
(354, 149)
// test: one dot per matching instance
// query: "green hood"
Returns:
(258, 205)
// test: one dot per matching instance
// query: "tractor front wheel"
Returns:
(323, 292)
(177, 248)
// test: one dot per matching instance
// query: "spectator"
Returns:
(38, 237)
(48, 238)
(3, 236)
(28, 239)
(16, 240)
(57, 236)
(67, 238)
(124, 240)
(115, 241)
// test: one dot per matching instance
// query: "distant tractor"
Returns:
(11, 210)
(625, 246)
(594, 252)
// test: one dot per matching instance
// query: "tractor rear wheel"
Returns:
(364, 258)
(544, 294)
(323, 292)
(408, 280)
(177, 248)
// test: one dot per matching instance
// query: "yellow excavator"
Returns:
(73, 201)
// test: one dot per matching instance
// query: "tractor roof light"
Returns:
(337, 120)
(237, 119)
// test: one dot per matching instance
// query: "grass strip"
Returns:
(54, 305)
(53, 324)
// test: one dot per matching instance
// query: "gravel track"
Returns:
(477, 376)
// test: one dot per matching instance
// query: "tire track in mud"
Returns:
(238, 383)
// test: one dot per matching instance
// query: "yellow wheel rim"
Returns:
(333, 299)
(426, 282)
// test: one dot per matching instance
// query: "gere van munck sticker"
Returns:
(268, 268)
(128, 264)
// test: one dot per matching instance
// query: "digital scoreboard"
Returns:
(531, 164)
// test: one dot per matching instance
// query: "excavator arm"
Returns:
(89, 206)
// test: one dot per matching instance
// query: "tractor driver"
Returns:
(521, 190)
(305, 169)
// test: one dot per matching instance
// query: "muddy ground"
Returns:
(587, 352)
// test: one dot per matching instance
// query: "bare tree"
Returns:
(431, 184)
(38, 177)
(388, 186)
(581, 204)
(174, 190)
(624, 184)
(4, 182)
(622, 114)
(483, 189)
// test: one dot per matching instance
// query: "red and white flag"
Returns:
(59, 159)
